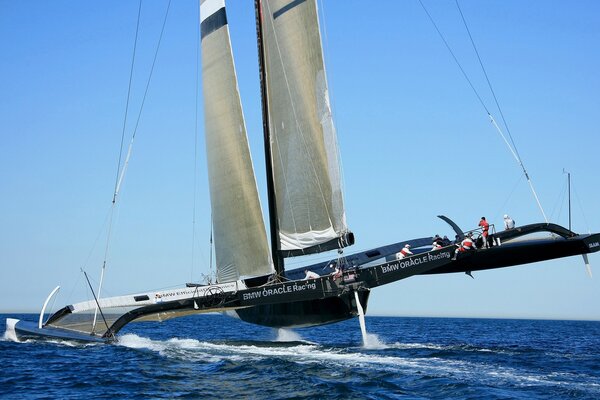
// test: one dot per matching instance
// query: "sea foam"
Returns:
(372, 341)
(288, 335)
(10, 334)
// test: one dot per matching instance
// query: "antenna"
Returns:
(569, 190)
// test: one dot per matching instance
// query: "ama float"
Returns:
(305, 203)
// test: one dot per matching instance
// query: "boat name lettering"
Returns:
(288, 289)
(186, 292)
(251, 295)
(404, 264)
(411, 262)
(592, 245)
(439, 256)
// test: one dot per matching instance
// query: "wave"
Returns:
(450, 348)
(486, 372)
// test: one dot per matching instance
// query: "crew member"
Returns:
(337, 269)
(405, 252)
(466, 245)
(337, 272)
(310, 275)
(485, 227)
(509, 223)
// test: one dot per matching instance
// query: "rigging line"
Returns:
(561, 204)
(454, 57)
(510, 195)
(513, 151)
(76, 284)
(106, 248)
(559, 200)
(137, 123)
(581, 208)
(522, 167)
(97, 305)
(514, 148)
(162, 31)
(137, 28)
(487, 78)
(120, 173)
(126, 163)
(104, 224)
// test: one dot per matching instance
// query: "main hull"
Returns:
(301, 314)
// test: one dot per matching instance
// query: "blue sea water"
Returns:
(214, 356)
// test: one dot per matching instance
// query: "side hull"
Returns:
(24, 330)
(300, 314)
(511, 254)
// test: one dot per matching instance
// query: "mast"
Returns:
(278, 261)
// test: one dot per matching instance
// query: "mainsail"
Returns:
(304, 151)
(241, 245)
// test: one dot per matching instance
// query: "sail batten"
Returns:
(241, 246)
(306, 168)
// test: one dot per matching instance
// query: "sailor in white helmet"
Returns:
(405, 252)
(509, 223)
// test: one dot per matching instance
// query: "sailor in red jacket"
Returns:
(466, 245)
(405, 252)
(485, 227)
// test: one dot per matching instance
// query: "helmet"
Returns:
(407, 245)
(505, 216)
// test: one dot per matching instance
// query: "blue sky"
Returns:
(414, 139)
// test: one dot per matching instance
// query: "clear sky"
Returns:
(414, 139)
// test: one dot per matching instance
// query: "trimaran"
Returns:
(305, 203)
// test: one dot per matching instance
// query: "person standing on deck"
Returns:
(405, 252)
(485, 227)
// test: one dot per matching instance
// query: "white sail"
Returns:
(305, 158)
(241, 245)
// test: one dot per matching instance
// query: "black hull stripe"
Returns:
(212, 23)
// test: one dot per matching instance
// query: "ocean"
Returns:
(214, 356)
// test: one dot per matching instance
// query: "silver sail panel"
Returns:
(241, 245)
(306, 167)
